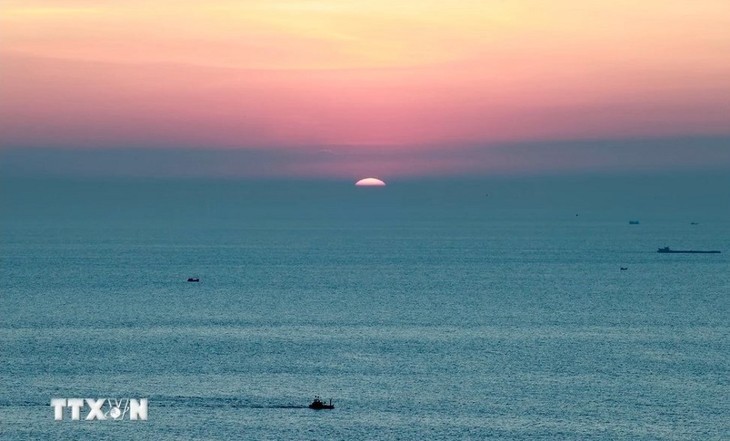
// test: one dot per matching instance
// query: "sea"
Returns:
(425, 311)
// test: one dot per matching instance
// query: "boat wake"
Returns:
(218, 402)
(182, 401)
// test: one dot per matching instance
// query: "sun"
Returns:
(370, 182)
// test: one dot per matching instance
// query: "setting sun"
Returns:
(370, 182)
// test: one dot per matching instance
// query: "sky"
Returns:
(354, 88)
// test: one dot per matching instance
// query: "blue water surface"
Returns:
(423, 318)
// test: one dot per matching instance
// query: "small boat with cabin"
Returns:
(318, 404)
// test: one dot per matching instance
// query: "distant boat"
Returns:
(668, 250)
(623, 268)
(193, 279)
(694, 223)
(318, 404)
(635, 222)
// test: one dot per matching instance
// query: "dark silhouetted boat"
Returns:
(633, 222)
(318, 404)
(668, 250)
(193, 279)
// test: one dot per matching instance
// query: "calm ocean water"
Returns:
(424, 317)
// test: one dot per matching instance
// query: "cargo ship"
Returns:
(668, 250)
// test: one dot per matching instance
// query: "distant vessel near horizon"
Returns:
(669, 250)
(633, 222)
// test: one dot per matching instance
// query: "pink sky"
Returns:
(409, 76)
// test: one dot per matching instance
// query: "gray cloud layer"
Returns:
(690, 154)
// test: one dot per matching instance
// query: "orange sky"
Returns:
(420, 75)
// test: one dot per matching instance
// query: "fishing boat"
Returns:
(318, 404)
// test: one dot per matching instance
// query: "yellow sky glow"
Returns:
(365, 34)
